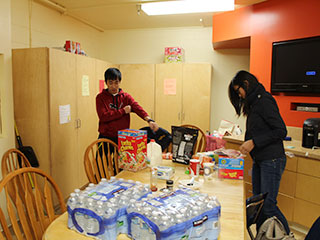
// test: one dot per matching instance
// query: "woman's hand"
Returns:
(246, 147)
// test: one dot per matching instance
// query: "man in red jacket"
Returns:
(114, 107)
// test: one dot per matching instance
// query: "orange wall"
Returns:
(267, 22)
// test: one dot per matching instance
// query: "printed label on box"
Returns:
(132, 146)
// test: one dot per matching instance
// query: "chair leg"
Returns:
(250, 233)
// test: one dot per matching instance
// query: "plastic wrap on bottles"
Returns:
(182, 214)
(100, 211)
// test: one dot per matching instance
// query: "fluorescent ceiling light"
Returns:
(187, 6)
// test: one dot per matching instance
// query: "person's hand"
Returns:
(153, 126)
(246, 147)
(127, 109)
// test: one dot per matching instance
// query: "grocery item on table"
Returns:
(154, 153)
(132, 146)
(165, 172)
(99, 211)
(231, 167)
(181, 214)
(194, 167)
(183, 141)
(153, 179)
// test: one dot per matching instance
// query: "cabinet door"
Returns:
(138, 81)
(168, 105)
(86, 110)
(196, 95)
(62, 90)
(31, 100)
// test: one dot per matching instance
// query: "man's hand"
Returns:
(246, 147)
(154, 126)
(127, 109)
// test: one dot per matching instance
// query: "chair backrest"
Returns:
(254, 205)
(201, 144)
(33, 208)
(12, 160)
(101, 160)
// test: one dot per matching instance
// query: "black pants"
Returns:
(105, 146)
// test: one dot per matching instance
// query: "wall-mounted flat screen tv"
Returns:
(296, 66)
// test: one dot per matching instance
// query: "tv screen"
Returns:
(296, 66)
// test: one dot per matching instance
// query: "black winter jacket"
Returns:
(264, 125)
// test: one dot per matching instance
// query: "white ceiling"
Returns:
(123, 14)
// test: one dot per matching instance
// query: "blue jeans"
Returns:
(266, 176)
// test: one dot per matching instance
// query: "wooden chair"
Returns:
(201, 144)
(101, 160)
(12, 160)
(28, 214)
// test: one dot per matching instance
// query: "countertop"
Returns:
(293, 146)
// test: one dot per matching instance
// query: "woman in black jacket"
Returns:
(265, 131)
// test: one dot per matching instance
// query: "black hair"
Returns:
(248, 82)
(112, 74)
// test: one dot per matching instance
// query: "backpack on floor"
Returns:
(273, 229)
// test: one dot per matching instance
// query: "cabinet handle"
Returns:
(76, 123)
(178, 116)
(183, 116)
(79, 126)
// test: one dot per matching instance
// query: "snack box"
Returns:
(231, 168)
(132, 146)
(173, 54)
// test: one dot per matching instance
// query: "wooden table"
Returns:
(229, 193)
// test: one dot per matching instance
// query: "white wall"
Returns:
(147, 46)
(49, 28)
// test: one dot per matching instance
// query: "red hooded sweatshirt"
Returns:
(112, 116)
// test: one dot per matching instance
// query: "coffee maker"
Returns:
(311, 133)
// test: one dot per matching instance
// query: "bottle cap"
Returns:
(169, 181)
(152, 140)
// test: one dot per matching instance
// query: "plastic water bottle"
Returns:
(92, 224)
(154, 153)
(72, 203)
(79, 217)
(165, 223)
(112, 179)
(77, 191)
(110, 209)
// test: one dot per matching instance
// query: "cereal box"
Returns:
(173, 54)
(231, 167)
(132, 149)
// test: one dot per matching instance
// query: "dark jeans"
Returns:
(105, 146)
(266, 176)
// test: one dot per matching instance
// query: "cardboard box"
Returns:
(173, 54)
(132, 146)
(231, 167)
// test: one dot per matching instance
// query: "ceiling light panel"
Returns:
(187, 6)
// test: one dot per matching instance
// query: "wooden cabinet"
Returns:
(188, 102)
(43, 80)
(138, 81)
(299, 191)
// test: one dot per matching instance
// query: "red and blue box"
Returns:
(231, 168)
(132, 146)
